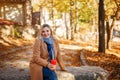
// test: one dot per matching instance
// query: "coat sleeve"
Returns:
(37, 52)
(59, 57)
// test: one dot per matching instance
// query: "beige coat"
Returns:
(40, 57)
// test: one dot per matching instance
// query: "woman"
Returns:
(45, 49)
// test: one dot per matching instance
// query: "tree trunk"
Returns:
(110, 28)
(66, 26)
(53, 15)
(76, 17)
(0, 11)
(71, 19)
(108, 34)
(101, 27)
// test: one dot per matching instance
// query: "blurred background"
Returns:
(74, 22)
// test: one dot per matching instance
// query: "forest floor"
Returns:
(110, 61)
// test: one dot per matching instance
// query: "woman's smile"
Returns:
(46, 33)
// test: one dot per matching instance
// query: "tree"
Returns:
(101, 27)
(71, 19)
(113, 10)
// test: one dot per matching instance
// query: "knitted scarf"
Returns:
(49, 42)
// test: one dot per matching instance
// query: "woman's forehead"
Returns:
(46, 28)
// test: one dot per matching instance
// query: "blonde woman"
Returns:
(45, 49)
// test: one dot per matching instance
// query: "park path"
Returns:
(15, 65)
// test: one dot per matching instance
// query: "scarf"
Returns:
(49, 42)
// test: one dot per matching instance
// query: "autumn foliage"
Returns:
(71, 55)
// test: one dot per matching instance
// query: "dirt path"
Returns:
(15, 66)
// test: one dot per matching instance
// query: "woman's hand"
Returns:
(63, 69)
(51, 66)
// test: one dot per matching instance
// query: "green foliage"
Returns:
(84, 27)
(110, 7)
(16, 32)
(83, 7)
(86, 10)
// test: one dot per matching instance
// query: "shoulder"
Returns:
(38, 40)
(56, 41)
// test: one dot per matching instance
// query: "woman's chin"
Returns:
(46, 36)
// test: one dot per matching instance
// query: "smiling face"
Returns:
(46, 32)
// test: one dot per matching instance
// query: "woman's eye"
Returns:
(47, 30)
(43, 31)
